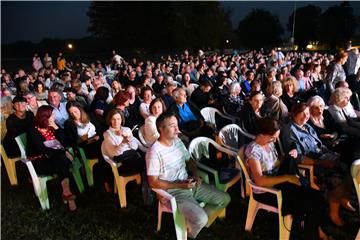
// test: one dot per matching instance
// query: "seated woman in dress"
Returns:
(329, 131)
(343, 112)
(151, 134)
(332, 175)
(45, 149)
(120, 145)
(252, 111)
(264, 167)
(146, 95)
(16, 124)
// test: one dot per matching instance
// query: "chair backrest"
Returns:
(22, 143)
(209, 114)
(3, 129)
(141, 137)
(195, 85)
(355, 173)
(199, 147)
(241, 160)
(229, 136)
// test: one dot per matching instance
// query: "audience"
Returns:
(85, 99)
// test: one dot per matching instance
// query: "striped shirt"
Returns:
(168, 163)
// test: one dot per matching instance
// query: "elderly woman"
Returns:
(151, 134)
(343, 112)
(329, 131)
(235, 102)
(252, 111)
(265, 170)
(332, 176)
(273, 105)
(290, 94)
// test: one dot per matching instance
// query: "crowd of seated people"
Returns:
(100, 106)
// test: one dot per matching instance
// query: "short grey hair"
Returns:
(232, 86)
(339, 95)
(315, 100)
(176, 92)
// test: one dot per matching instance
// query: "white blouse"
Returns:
(87, 128)
(113, 146)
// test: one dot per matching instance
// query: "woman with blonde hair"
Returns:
(290, 94)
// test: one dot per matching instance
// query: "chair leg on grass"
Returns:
(284, 226)
(159, 217)
(251, 214)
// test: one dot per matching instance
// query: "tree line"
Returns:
(207, 24)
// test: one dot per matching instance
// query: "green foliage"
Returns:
(160, 24)
(259, 29)
(337, 24)
(306, 24)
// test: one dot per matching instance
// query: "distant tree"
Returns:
(306, 24)
(160, 24)
(337, 24)
(259, 29)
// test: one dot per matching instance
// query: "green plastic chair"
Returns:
(39, 181)
(88, 166)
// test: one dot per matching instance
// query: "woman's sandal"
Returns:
(70, 201)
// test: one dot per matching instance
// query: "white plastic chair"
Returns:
(167, 203)
(195, 85)
(121, 181)
(229, 136)
(285, 222)
(199, 147)
(39, 181)
(209, 115)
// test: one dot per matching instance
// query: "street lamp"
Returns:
(70, 46)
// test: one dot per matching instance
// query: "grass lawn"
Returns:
(99, 216)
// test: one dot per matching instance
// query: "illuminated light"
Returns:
(309, 46)
(227, 41)
(70, 46)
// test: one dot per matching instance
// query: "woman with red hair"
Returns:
(45, 150)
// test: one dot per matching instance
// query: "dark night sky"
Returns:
(34, 21)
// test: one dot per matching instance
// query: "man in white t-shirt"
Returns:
(166, 163)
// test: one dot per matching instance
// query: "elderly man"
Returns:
(166, 163)
(191, 121)
(32, 103)
(54, 99)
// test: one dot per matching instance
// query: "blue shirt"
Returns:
(61, 115)
(185, 114)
